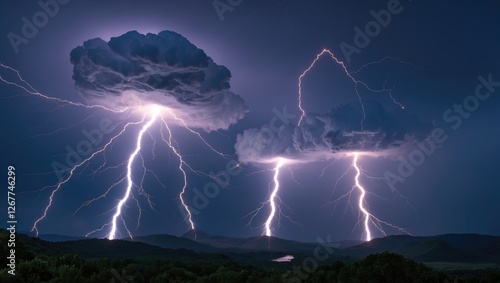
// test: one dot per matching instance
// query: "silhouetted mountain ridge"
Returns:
(440, 248)
(259, 243)
(448, 247)
(172, 242)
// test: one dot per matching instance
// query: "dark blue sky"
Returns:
(266, 45)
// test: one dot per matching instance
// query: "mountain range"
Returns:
(440, 248)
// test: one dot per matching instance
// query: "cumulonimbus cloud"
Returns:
(135, 69)
(346, 128)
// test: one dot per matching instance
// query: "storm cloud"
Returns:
(134, 70)
(346, 128)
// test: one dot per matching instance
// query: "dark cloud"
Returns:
(165, 68)
(342, 130)
(260, 145)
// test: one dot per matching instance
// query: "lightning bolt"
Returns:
(25, 86)
(154, 116)
(181, 168)
(71, 173)
(272, 197)
(31, 90)
(368, 220)
(349, 74)
(275, 209)
(155, 109)
(361, 201)
(198, 135)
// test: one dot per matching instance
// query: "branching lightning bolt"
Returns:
(272, 197)
(31, 90)
(356, 82)
(170, 143)
(130, 183)
(361, 202)
(197, 134)
(272, 200)
(181, 168)
(366, 217)
(70, 174)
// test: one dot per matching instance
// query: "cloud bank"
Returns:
(134, 70)
(340, 131)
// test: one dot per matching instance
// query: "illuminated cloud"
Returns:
(165, 68)
(262, 145)
(344, 129)
(324, 136)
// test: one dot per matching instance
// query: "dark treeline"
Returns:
(383, 267)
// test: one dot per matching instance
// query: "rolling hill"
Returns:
(261, 243)
(470, 248)
(448, 247)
